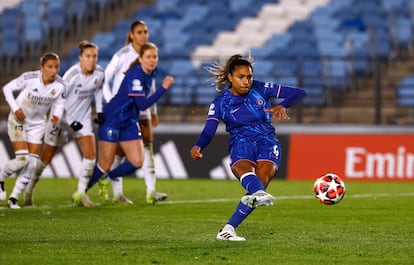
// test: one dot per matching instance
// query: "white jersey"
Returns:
(115, 72)
(35, 98)
(81, 91)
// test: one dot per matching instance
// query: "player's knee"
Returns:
(22, 160)
(137, 162)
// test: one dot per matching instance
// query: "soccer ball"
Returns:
(329, 189)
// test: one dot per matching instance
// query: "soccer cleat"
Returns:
(122, 200)
(12, 203)
(156, 196)
(228, 233)
(28, 199)
(80, 198)
(259, 198)
(103, 191)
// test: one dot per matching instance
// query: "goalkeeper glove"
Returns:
(100, 118)
(76, 126)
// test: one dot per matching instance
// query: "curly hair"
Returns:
(220, 71)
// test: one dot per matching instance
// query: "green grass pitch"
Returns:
(374, 224)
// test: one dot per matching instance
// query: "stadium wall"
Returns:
(375, 153)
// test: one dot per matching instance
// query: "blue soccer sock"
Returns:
(123, 169)
(242, 211)
(96, 176)
(251, 183)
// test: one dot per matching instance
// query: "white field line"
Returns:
(278, 198)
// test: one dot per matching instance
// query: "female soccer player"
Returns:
(40, 91)
(84, 84)
(115, 71)
(245, 107)
(121, 118)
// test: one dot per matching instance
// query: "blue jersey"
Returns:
(123, 109)
(244, 115)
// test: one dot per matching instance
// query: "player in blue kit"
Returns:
(121, 120)
(245, 107)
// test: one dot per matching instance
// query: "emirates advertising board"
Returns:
(375, 157)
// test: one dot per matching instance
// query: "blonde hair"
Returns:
(220, 71)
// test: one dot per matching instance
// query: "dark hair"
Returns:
(131, 29)
(220, 71)
(49, 56)
(142, 50)
(85, 45)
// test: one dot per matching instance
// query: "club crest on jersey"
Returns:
(96, 81)
(136, 85)
(53, 91)
(260, 102)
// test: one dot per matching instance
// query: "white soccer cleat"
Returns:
(259, 198)
(122, 200)
(80, 198)
(156, 196)
(12, 203)
(228, 233)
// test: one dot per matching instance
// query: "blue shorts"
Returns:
(108, 133)
(266, 148)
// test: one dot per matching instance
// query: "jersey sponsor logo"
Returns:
(234, 110)
(136, 85)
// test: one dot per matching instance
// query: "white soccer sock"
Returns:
(15, 165)
(149, 168)
(40, 166)
(117, 184)
(85, 174)
(24, 176)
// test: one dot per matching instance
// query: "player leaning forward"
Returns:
(245, 107)
(39, 92)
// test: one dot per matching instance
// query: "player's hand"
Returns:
(279, 112)
(196, 153)
(154, 120)
(167, 82)
(20, 115)
(55, 120)
(100, 118)
(76, 126)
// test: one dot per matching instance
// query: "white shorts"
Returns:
(23, 132)
(56, 135)
(145, 114)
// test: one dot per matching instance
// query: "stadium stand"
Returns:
(321, 45)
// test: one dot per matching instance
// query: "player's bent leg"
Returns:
(22, 180)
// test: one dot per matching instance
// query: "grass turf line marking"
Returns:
(407, 194)
(278, 198)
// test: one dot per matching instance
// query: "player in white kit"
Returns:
(39, 92)
(148, 119)
(84, 84)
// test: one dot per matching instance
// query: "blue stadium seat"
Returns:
(405, 92)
